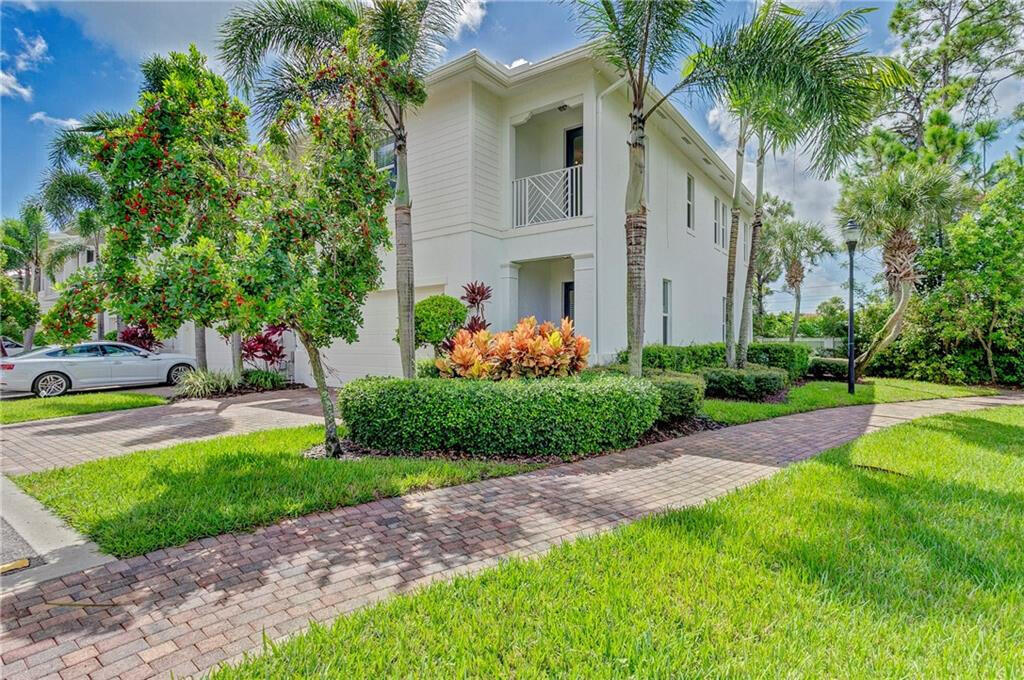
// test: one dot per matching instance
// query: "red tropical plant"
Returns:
(140, 335)
(265, 347)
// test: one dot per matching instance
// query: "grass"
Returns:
(143, 501)
(34, 408)
(827, 394)
(825, 570)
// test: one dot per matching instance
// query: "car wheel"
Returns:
(51, 385)
(177, 373)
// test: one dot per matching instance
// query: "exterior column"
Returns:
(585, 292)
(508, 293)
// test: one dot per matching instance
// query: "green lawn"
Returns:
(34, 408)
(147, 500)
(826, 570)
(826, 394)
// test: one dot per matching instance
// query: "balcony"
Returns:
(548, 196)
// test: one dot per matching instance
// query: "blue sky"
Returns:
(63, 60)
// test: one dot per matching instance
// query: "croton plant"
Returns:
(530, 350)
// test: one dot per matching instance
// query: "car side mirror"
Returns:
(144, 354)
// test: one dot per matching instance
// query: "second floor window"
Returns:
(386, 160)
(726, 218)
(689, 202)
(716, 227)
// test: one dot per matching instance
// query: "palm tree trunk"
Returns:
(734, 231)
(755, 243)
(405, 281)
(331, 442)
(636, 243)
(100, 320)
(890, 331)
(796, 314)
(36, 275)
(236, 354)
(199, 333)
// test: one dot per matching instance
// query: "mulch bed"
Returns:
(239, 391)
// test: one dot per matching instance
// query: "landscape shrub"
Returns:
(263, 380)
(437, 319)
(754, 383)
(531, 350)
(205, 384)
(265, 346)
(551, 416)
(682, 394)
(140, 335)
(426, 368)
(682, 358)
(794, 359)
(827, 368)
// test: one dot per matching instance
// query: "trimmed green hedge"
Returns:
(426, 368)
(828, 368)
(551, 416)
(754, 383)
(791, 358)
(682, 394)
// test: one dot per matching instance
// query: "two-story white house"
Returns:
(517, 177)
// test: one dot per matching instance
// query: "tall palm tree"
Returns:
(641, 39)
(801, 246)
(986, 132)
(29, 237)
(410, 33)
(828, 93)
(768, 266)
(894, 207)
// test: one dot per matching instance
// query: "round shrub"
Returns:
(754, 383)
(550, 416)
(437, 319)
(682, 394)
(792, 358)
(427, 368)
(263, 380)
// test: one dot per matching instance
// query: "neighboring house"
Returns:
(517, 177)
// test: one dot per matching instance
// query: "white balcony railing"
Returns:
(548, 197)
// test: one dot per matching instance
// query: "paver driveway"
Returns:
(61, 442)
(183, 610)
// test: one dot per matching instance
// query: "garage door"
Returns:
(375, 352)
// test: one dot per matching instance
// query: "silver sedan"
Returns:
(52, 371)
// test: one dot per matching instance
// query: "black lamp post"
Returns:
(851, 234)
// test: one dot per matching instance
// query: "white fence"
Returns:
(548, 197)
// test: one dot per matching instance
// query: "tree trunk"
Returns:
(796, 315)
(405, 281)
(331, 442)
(755, 243)
(199, 331)
(29, 336)
(734, 231)
(101, 321)
(890, 331)
(987, 345)
(120, 326)
(236, 354)
(636, 243)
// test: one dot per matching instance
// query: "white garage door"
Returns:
(375, 352)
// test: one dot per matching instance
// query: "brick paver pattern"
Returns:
(184, 610)
(62, 442)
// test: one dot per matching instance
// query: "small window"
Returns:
(718, 204)
(746, 241)
(386, 158)
(90, 256)
(666, 312)
(726, 221)
(689, 202)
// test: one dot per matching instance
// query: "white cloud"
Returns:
(33, 52)
(10, 87)
(41, 117)
(516, 63)
(473, 12)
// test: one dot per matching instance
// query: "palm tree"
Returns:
(894, 207)
(827, 95)
(801, 246)
(28, 237)
(410, 33)
(768, 266)
(73, 200)
(986, 132)
(643, 38)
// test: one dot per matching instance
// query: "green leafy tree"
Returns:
(982, 294)
(895, 207)
(27, 241)
(832, 318)
(409, 33)
(18, 309)
(959, 53)
(641, 40)
(767, 264)
(801, 246)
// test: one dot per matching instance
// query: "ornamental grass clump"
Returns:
(531, 350)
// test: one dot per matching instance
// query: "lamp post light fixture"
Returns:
(851, 234)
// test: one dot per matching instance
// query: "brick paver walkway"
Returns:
(183, 610)
(60, 442)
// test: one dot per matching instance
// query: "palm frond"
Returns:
(66, 192)
(69, 145)
(57, 257)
